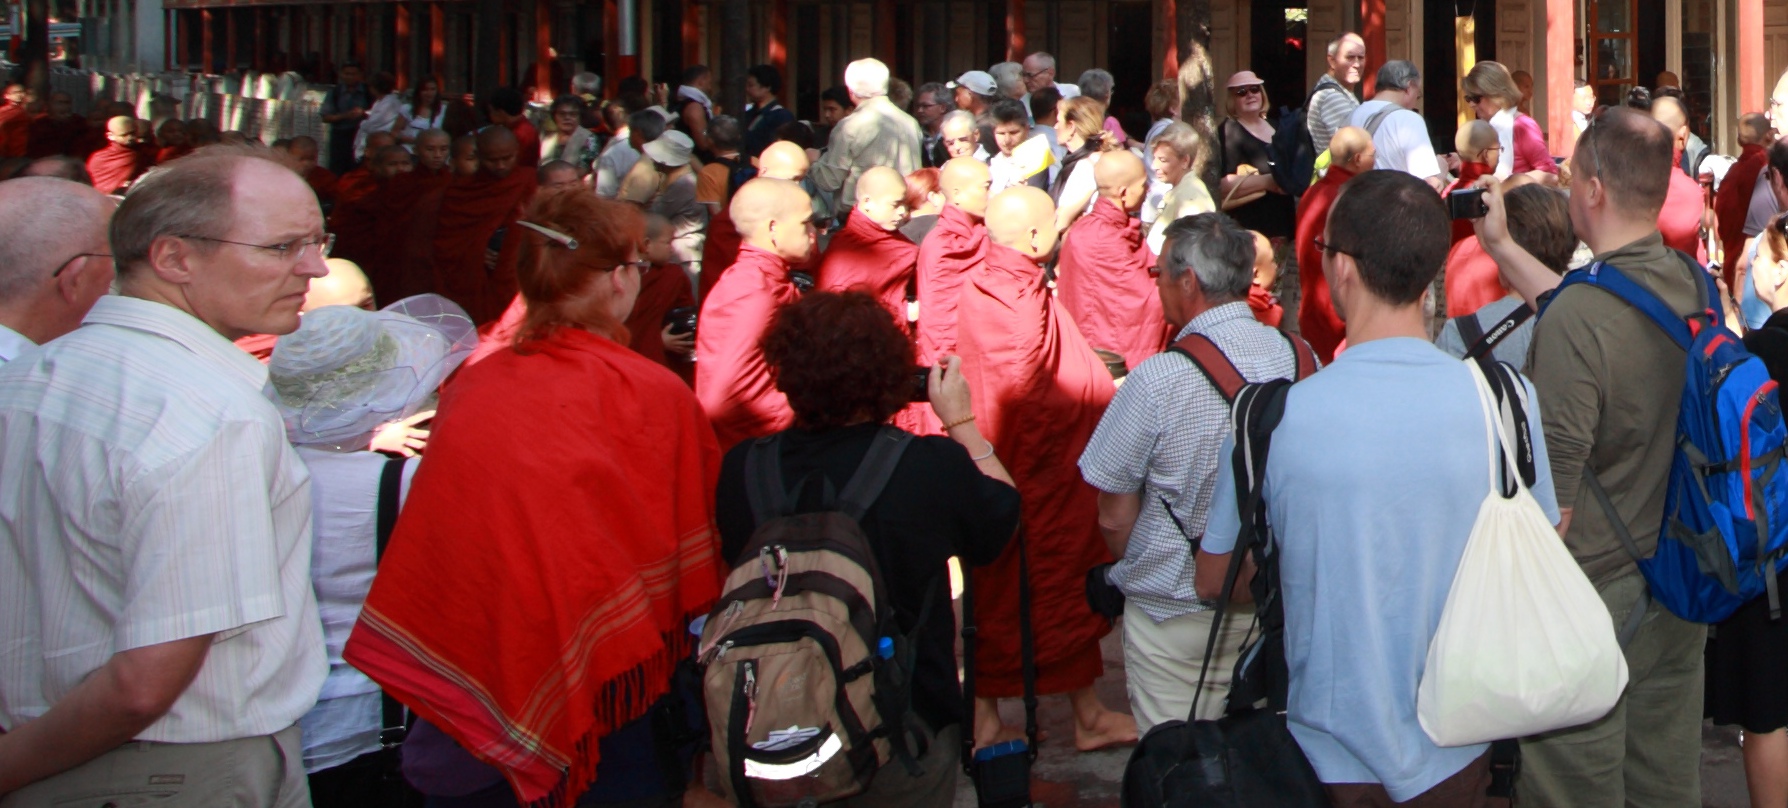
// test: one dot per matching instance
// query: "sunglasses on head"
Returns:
(1249, 89)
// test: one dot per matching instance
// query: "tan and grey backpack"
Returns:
(808, 680)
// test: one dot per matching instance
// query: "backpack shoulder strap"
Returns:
(1207, 357)
(1481, 343)
(1303, 353)
(391, 480)
(763, 479)
(873, 473)
(1378, 117)
(1469, 330)
(1605, 277)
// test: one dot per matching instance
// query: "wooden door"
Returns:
(1612, 45)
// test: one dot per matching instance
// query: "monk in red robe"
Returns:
(474, 262)
(58, 131)
(956, 247)
(364, 179)
(1103, 275)
(364, 225)
(15, 121)
(782, 160)
(1733, 201)
(731, 378)
(1350, 153)
(1261, 299)
(508, 109)
(1479, 149)
(303, 149)
(1038, 391)
(869, 253)
(1685, 206)
(663, 286)
(173, 141)
(116, 166)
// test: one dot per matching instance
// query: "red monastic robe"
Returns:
(1038, 390)
(1265, 306)
(661, 288)
(1104, 284)
(1317, 321)
(955, 246)
(1733, 202)
(864, 256)
(1468, 174)
(322, 181)
(1680, 218)
(114, 167)
(168, 154)
(719, 250)
(473, 210)
(355, 185)
(15, 130)
(527, 142)
(48, 136)
(731, 378)
(1473, 281)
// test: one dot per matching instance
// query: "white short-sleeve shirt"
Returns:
(147, 495)
(1401, 140)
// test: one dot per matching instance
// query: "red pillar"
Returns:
(1372, 30)
(1015, 49)
(437, 40)
(543, 49)
(402, 56)
(778, 45)
(884, 31)
(1561, 73)
(692, 35)
(205, 41)
(1753, 92)
(1167, 26)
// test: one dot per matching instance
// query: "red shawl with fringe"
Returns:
(1104, 284)
(731, 378)
(472, 210)
(662, 287)
(1038, 390)
(862, 255)
(1733, 201)
(531, 613)
(114, 167)
(955, 246)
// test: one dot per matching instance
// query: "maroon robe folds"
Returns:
(15, 130)
(865, 257)
(719, 251)
(114, 167)
(355, 185)
(1038, 390)
(1733, 203)
(1104, 284)
(1318, 323)
(732, 380)
(662, 287)
(475, 213)
(956, 245)
(49, 136)
(322, 181)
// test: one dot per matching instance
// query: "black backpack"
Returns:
(1294, 152)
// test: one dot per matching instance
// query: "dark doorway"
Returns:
(667, 45)
(804, 39)
(1279, 43)
(1132, 69)
(1440, 59)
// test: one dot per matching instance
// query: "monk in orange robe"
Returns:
(116, 166)
(15, 121)
(663, 286)
(474, 262)
(1039, 390)
(1103, 276)
(732, 380)
(869, 253)
(1350, 152)
(956, 246)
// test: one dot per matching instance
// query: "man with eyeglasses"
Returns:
(1039, 72)
(930, 105)
(158, 629)
(54, 259)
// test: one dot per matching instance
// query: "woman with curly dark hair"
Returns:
(846, 368)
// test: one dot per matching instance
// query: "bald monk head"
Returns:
(122, 130)
(1122, 180)
(881, 197)
(345, 285)
(303, 148)
(965, 183)
(1023, 218)
(388, 162)
(44, 292)
(1474, 140)
(783, 160)
(1351, 149)
(1755, 129)
(379, 140)
(556, 175)
(465, 156)
(657, 245)
(776, 216)
(497, 150)
(433, 148)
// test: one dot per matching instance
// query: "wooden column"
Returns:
(205, 42)
(437, 40)
(362, 31)
(327, 46)
(778, 44)
(1372, 30)
(486, 55)
(883, 26)
(1015, 49)
(543, 49)
(735, 51)
(232, 43)
(692, 35)
(401, 49)
(1165, 13)
(611, 47)
(1561, 72)
(1753, 86)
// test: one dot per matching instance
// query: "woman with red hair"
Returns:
(924, 201)
(556, 543)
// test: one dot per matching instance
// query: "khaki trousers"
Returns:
(1646, 753)
(266, 771)
(934, 788)
(1161, 663)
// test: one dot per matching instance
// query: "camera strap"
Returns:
(1480, 342)
(1027, 657)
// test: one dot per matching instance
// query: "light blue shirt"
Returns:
(1755, 311)
(1373, 484)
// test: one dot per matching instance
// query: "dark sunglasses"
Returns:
(1250, 89)
(1473, 99)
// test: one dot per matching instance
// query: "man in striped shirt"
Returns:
(1333, 102)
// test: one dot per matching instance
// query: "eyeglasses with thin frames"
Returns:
(292, 251)
(1328, 248)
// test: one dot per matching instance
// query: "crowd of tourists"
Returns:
(472, 455)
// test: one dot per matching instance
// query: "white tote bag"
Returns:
(1525, 644)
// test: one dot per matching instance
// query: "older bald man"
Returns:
(55, 260)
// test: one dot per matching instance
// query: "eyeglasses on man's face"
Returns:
(291, 251)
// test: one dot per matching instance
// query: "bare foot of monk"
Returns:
(1096, 727)
(988, 728)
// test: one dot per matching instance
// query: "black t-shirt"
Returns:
(937, 505)
(1770, 344)
(1273, 214)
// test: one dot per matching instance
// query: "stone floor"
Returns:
(1064, 778)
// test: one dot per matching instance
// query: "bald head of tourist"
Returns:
(497, 151)
(55, 260)
(1352, 149)
(1669, 112)
(1754, 128)
(433, 149)
(303, 149)
(556, 175)
(465, 156)
(965, 183)
(388, 162)
(122, 130)
(1122, 180)
(1023, 218)
(776, 216)
(783, 160)
(345, 285)
(881, 197)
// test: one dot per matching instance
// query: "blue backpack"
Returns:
(1724, 534)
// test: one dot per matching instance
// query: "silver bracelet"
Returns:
(985, 456)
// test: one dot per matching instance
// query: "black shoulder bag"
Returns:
(1001, 773)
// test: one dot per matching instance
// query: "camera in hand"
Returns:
(921, 391)
(681, 320)
(1467, 204)
(803, 282)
